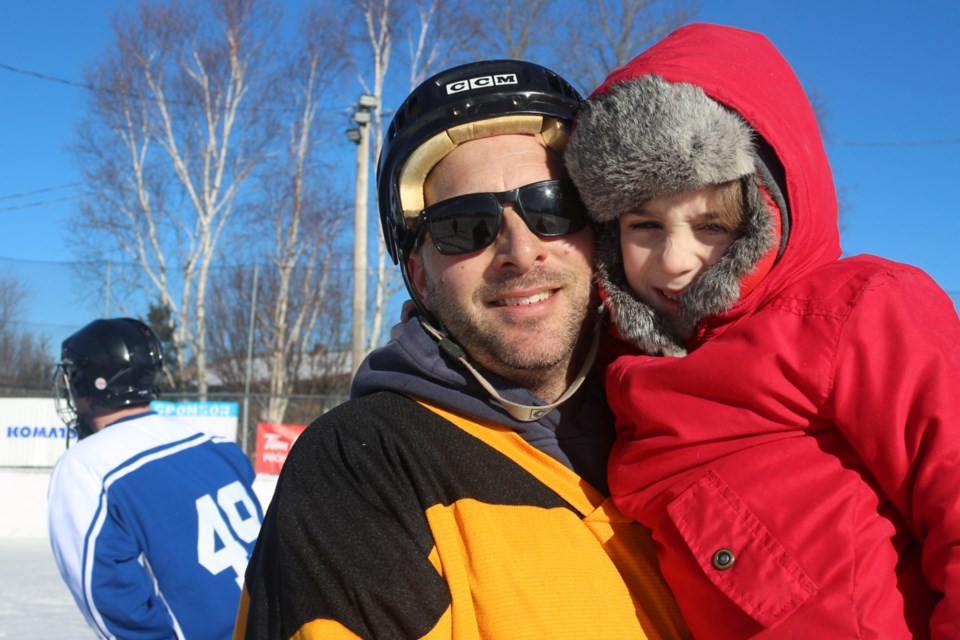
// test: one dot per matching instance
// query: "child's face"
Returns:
(668, 242)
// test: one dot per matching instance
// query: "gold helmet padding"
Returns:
(424, 158)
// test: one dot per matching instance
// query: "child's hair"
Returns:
(729, 199)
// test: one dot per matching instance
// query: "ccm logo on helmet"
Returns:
(481, 81)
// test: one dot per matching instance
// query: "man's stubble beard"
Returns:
(541, 349)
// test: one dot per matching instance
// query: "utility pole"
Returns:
(106, 297)
(249, 369)
(361, 137)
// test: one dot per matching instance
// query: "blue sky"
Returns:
(887, 73)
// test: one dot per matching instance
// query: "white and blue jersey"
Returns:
(152, 523)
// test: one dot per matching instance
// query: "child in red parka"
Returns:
(788, 421)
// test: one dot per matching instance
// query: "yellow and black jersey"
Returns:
(394, 519)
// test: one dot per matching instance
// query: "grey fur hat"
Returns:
(647, 138)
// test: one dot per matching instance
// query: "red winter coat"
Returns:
(812, 432)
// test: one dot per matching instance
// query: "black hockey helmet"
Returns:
(474, 100)
(468, 102)
(116, 362)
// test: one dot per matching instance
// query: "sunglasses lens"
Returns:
(553, 208)
(471, 222)
(464, 224)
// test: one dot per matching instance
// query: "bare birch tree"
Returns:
(304, 225)
(300, 288)
(173, 134)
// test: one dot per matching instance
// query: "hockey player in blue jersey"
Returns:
(151, 520)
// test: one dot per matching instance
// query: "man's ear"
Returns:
(418, 276)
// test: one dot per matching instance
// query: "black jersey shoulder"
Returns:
(392, 442)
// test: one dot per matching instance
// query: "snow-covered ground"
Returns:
(34, 601)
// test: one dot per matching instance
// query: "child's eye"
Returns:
(714, 227)
(645, 224)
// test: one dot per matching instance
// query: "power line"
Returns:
(48, 325)
(43, 76)
(25, 194)
(128, 264)
(39, 203)
(347, 110)
(101, 89)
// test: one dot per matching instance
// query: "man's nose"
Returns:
(516, 246)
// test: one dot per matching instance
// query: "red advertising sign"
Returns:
(273, 444)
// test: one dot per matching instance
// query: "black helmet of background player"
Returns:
(115, 363)
(472, 101)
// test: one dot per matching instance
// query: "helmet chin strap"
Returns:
(520, 412)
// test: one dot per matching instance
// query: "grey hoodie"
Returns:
(413, 365)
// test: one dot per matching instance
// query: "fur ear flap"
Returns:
(648, 137)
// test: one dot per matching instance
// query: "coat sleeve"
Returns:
(344, 550)
(122, 589)
(897, 400)
(100, 559)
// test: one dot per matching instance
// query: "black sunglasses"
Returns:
(467, 223)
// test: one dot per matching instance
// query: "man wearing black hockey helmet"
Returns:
(109, 365)
(527, 321)
(151, 520)
(462, 490)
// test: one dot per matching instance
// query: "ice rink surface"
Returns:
(34, 601)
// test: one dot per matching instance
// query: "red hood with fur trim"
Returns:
(745, 72)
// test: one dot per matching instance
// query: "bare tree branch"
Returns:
(605, 34)
(25, 362)
(514, 29)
